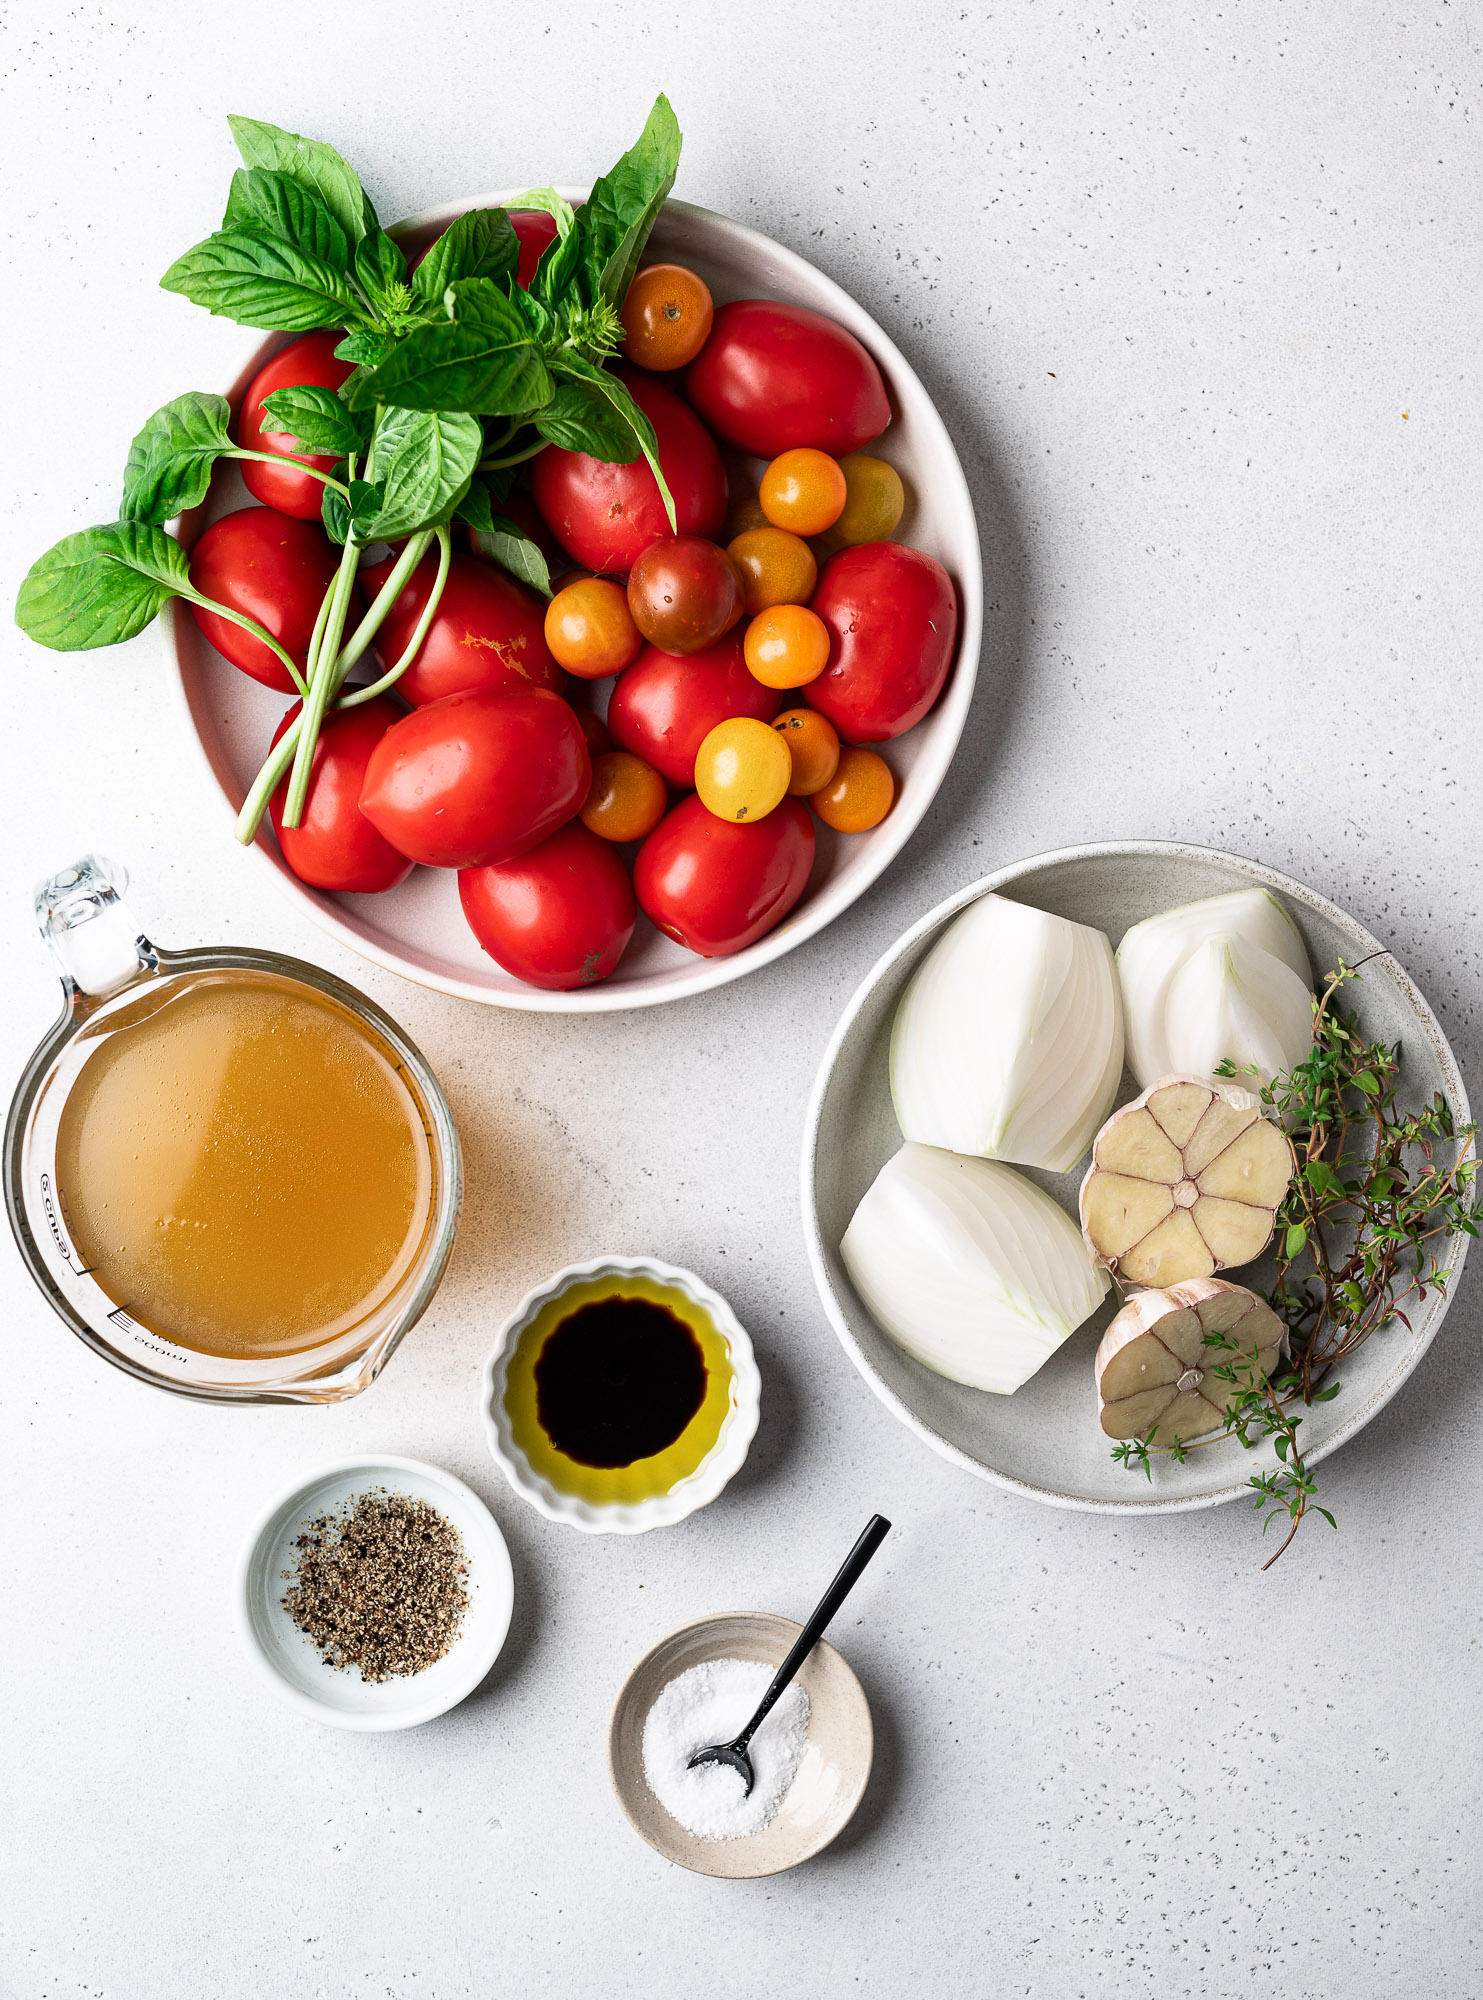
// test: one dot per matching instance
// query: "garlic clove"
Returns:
(1156, 1211)
(1155, 1369)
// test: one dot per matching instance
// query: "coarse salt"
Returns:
(709, 1704)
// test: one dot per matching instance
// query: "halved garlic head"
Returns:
(1155, 1366)
(1184, 1181)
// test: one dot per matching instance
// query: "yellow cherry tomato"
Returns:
(627, 797)
(874, 500)
(743, 769)
(803, 490)
(860, 795)
(745, 514)
(774, 566)
(813, 744)
(786, 646)
(590, 629)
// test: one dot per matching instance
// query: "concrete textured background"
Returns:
(1197, 294)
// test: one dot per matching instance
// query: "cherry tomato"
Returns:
(666, 317)
(605, 516)
(334, 845)
(663, 708)
(599, 743)
(717, 888)
(813, 746)
(745, 513)
(487, 632)
(742, 769)
(774, 376)
(892, 615)
(803, 491)
(774, 566)
(559, 916)
(684, 594)
(590, 629)
(859, 795)
(477, 778)
(875, 500)
(627, 799)
(786, 646)
(275, 568)
(534, 229)
(308, 362)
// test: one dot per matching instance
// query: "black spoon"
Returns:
(734, 1753)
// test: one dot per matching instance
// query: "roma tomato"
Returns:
(605, 516)
(477, 778)
(892, 615)
(560, 916)
(306, 363)
(774, 377)
(276, 569)
(488, 631)
(716, 887)
(334, 845)
(663, 708)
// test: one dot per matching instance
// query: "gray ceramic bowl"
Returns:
(1044, 1441)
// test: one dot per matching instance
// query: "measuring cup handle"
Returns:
(97, 945)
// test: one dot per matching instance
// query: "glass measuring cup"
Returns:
(112, 979)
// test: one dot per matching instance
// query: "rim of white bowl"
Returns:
(1002, 878)
(496, 1575)
(888, 839)
(699, 1488)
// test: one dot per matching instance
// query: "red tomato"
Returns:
(718, 886)
(309, 362)
(772, 377)
(334, 845)
(477, 778)
(892, 615)
(605, 516)
(663, 707)
(488, 631)
(560, 916)
(274, 568)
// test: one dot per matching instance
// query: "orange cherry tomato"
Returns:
(590, 629)
(813, 744)
(627, 799)
(595, 730)
(775, 568)
(875, 500)
(860, 795)
(786, 646)
(746, 513)
(666, 318)
(803, 490)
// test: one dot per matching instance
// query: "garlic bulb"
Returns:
(1184, 1181)
(1225, 977)
(969, 1267)
(1155, 1367)
(1008, 1042)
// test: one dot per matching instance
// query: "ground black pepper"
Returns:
(380, 1584)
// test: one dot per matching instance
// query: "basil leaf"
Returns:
(549, 202)
(561, 269)
(246, 275)
(315, 419)
(580, 418)
(481, 244)
(365, 348)
(367, 497)
(620, 211)
(483, 361)
(573, 366)
(170, 462)
(277, 203)
(380, 269)
(540, 322)
(100, 587)
(424, 462)
(474, 506)
(514, 551)
(500, 479)
(335, 514)
(313, 165)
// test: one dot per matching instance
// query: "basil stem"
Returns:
(322, 682)
(515, 457)
(414, 645)
(290, 458)
(248, 625)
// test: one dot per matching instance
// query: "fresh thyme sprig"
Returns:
(1357, 1237)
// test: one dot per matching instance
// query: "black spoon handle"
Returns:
(854, 1563)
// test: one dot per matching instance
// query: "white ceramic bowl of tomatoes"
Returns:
(717, 894)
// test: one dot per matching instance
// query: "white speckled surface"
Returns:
(1198, 294)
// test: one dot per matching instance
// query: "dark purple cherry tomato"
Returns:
(684, 593)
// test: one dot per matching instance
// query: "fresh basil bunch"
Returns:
(460, 375)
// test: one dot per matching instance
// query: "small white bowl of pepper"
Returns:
(376, 1593)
